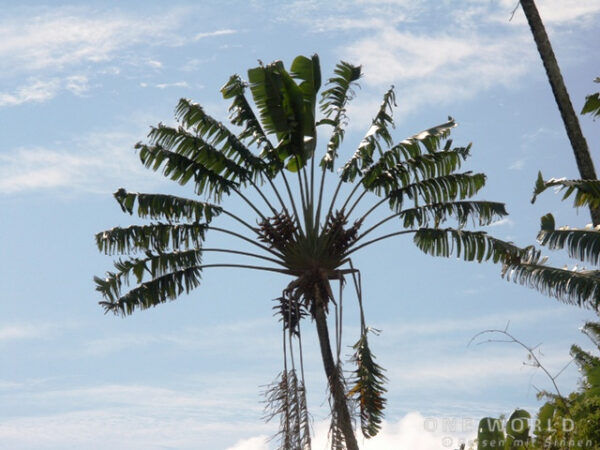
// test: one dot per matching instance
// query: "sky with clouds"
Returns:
(81, 84)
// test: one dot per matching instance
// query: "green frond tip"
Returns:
(471, 246)
(368, 388)
(153, 265)
(162, 206)
(592, 105)
(182, 169)
(581, 244)
(155, 237)
(192, 116)
(587, 192)
(577, 287)
(153, 292)
(379, 131)
(481, 212)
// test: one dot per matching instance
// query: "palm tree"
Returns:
(578, 142)
(302, 231)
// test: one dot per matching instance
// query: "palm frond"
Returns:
(183, 169)
(368, 387)
(241, 114)
(183, 143)
(470, 246)
(592, 331)
(308, 71)
(363, 156)
(446, 188)
(396, 169)
(333, 105)
(280, 103)
(592, 103)
(155, 237)
(582, 358)
(587, 192)
(579, 287)
(581, 244)
(154, 265)
(192, 116)
(164, 206)
(151, 293)
(481, 212)
(285, 399)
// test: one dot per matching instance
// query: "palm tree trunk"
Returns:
(339, 394)
(578, 142)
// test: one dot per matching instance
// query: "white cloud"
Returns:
(170, 85)
(77, 84)
(214, 33)
(34, 91)
(96, 162)
(155, 64)
(437, 68)
(23, 331)
(37, 90)
(519, 164)
(55, 40)
(502, 222)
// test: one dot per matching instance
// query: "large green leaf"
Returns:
(243, 115)
(308, 71)
(481, 212)
(592, 103)
(380, 130)
(393, 171)
(192, 116)
(155, 237)
(163, 206)
(456, 186)
(179, 141)
(581, 244)
(153, 292)
(333, 104)
(153, 265)
(580, 287)
(281, 106)
(587, 192)
(183, 169)
(470, 245)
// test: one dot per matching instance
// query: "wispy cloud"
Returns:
(214, 33)
(38, 90)
(176, 84)
(519, 164)
(20, 331)
(66, 36)
(96, 162)
(14, 332)
(437, 68)
(34, 91)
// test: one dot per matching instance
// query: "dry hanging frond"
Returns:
(368, 387)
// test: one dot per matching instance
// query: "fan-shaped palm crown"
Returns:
(302, 231)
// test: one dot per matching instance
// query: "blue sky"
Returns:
(80, 85)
